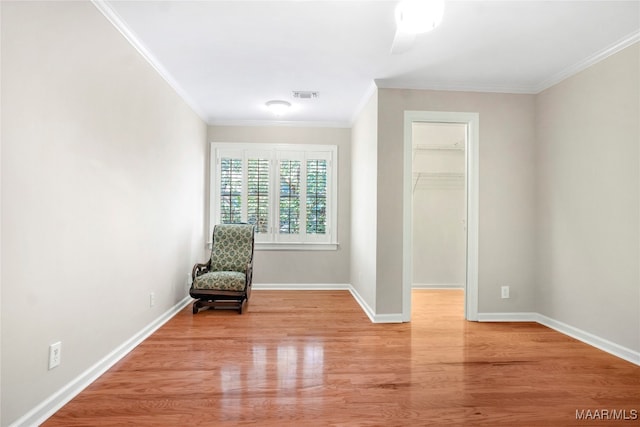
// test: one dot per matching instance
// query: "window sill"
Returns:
(296, 246)
(261, 246)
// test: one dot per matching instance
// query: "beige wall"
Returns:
(301, 267)
(588, 200)
(102, 195)
(507, 214)
(364, 171)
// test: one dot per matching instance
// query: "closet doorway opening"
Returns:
(439, 205)
(440, 233)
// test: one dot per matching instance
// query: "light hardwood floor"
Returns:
(313, 358)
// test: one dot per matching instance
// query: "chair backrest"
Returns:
(232, 247)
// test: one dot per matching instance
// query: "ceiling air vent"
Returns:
(305, 94)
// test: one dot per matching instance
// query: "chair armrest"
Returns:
(199, 269)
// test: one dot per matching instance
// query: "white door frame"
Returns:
(472, 120)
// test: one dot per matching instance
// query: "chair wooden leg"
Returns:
(241, 305)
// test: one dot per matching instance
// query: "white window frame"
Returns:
(273, 240)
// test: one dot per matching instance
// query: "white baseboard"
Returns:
(586, 337)
(437, 286)
(388, 318)
(591, 339)
(301, 286)
(53, 403)
(507, 317)
(363, 304)
(375, 318)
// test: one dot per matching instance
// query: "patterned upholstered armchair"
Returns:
(225, 280)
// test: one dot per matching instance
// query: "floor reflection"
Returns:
(299, 368)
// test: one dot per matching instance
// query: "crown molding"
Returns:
(371, 90)
(276, 123)
(117, 21)
(589, 61)
(387, 84)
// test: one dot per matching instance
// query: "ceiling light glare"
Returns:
(419, 16)
(278, 107)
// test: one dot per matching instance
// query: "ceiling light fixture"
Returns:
(419, 16)
(278, 107)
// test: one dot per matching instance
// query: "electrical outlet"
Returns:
(152, 299)
(55, 354)
(188, 279)
(505, 292)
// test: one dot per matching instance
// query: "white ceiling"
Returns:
(227, 58)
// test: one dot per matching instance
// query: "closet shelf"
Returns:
(434, 147)
(438, 175)
(443, 177)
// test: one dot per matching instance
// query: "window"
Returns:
(289, 192)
